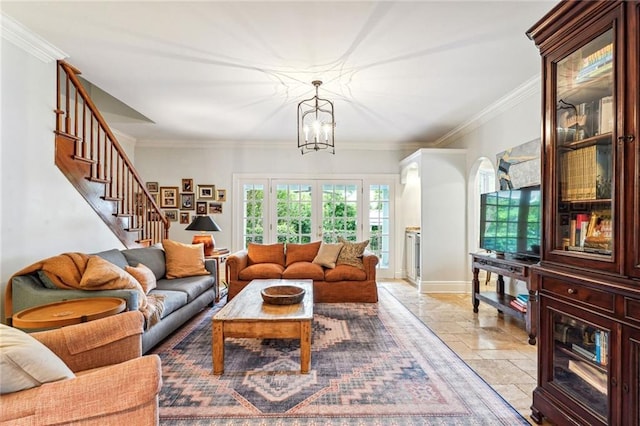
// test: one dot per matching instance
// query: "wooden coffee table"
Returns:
(248, 316)
(68, 312)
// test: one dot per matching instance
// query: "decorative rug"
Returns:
(371, 364)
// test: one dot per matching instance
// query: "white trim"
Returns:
(29, 41)
(522, 92)
(369, 146)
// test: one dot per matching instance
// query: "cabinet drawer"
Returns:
(632, 309)
(579, 293)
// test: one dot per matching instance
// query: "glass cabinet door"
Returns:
(580, 362)
(584, 128)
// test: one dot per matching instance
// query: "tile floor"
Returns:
(494, 345)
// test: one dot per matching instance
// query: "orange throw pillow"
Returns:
(266, 253)
(184, 260)
(144, 275)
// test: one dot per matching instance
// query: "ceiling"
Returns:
(234, 71)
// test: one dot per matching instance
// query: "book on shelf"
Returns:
(520, 302)
(576, 348)
(515, 305)
(524, 297)
(606, 114)
(591, 375)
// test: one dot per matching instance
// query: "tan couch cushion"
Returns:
(345, 273)
(328, 254)
(351, 253)
(266, 253)
(261, 271)
(302, 252)
(304, 270)
(144, 275)
(184, 260)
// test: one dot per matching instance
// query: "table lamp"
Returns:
(204, 224)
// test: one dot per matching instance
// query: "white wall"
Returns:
(42, 215)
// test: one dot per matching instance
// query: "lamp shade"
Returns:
(203, 223)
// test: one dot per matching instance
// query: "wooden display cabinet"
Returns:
(588, 278)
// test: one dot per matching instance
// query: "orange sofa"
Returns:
(344, 283)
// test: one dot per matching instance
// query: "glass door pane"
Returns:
(379, 223)
(294, 213)
(341, 211)
(253, 213)
(585, 125)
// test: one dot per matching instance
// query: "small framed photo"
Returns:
(215, 207)
(156, 199)
(185, 218)
(152, 187)
(171, 215)
(207, 192)
(222, 195)
(187, 185)
(169, 197)
(187, 202)
(201, 207)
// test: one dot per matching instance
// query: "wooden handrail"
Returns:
(96, 144)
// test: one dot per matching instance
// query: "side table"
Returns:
(68, 312)
(220, 259)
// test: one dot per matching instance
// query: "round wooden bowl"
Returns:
(282, 294)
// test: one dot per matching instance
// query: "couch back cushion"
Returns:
(114, 256)
(266, 253)
(144, 275)
(302, 252)
(151, 257)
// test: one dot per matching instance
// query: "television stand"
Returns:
(509, 267)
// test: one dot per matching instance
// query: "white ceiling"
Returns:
(234, 71)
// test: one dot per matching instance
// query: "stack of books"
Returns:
(519, 303)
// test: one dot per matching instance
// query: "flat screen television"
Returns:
(510, 222)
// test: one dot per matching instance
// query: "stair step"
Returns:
(106, 198)
(68, 135)
(99, 180)
(123, 214)
(145, 243)
(133, 229)
(84, 159)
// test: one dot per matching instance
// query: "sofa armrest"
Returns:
(116, 390)
(236, 263)
(370, 260)
(98, 343)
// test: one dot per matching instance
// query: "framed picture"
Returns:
(187, 202)
(187, 185)
(207, 192)
(156, 198)
(215, 207)
(185, 218)
(169, 197)
(171, 215)
(201, 207)
(153, 216)
(152, 187)
(222, 195)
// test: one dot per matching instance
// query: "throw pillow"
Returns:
(328, 254)
(26, 363)
(144, 275)
(266, 253)
(184, 260)
(302, 252)
(351, 253)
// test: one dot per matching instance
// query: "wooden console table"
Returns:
(509, 267)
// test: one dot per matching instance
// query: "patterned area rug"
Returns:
(370, 364)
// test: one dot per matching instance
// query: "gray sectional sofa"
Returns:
(183, 297)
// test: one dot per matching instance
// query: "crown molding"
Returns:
(29, 41)
(522, 92)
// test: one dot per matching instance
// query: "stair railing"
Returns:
(79, 119)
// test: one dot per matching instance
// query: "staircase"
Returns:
(89, 155)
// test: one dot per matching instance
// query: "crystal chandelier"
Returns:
(316, 124)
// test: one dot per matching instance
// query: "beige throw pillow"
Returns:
(184, 260)
(351, 253)
(144, 275)
(327, 255)
(26, 363)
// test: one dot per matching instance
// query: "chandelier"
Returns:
(316, 124)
